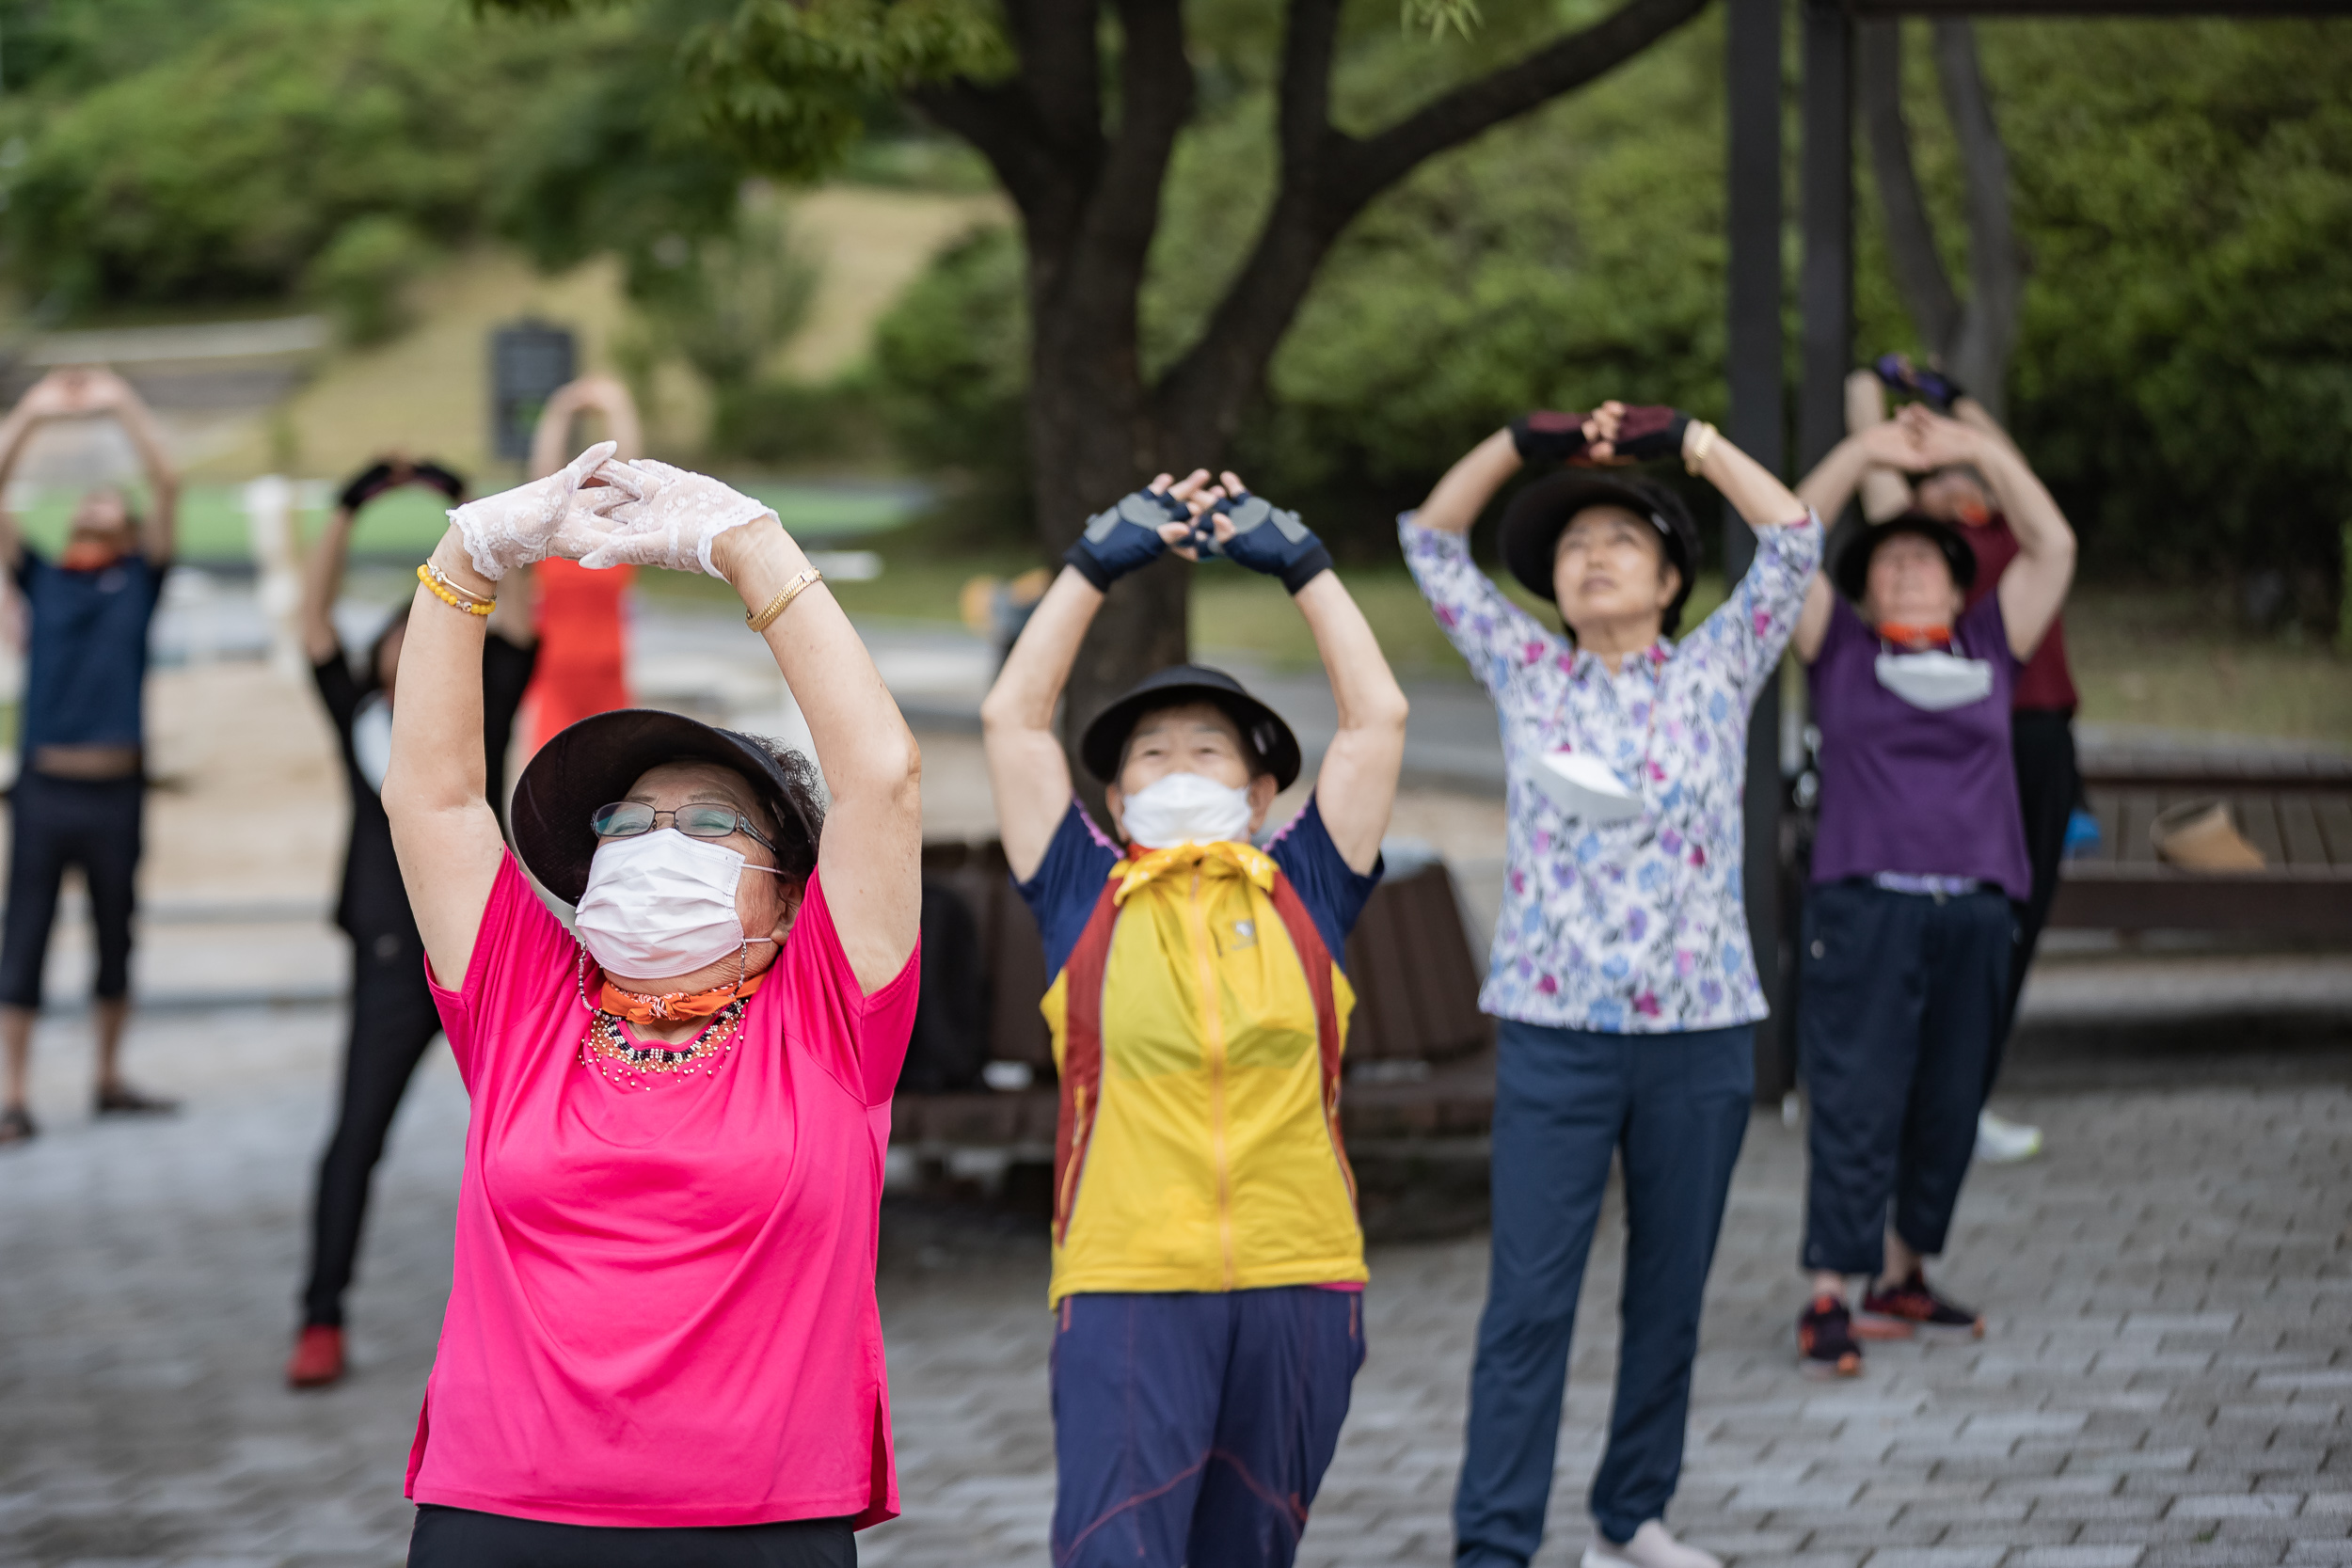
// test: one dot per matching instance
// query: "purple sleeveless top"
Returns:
(1906, 790)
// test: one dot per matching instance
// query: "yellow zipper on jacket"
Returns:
(1213, 1031)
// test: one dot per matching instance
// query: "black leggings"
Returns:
(61, 822)
(2048, 788)
(392, 1020)
(460, 1538)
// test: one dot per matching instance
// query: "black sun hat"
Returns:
(594, 762)
(1537, 516)
(1852, 572)
(1262, 728)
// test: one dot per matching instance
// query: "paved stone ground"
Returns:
(2170, 1295)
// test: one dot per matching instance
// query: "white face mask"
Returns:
(1583, 788)
(371, 738)
(1184, 807)
(1935, 681)
(661, 903)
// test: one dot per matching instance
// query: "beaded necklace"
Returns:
(626, 1064)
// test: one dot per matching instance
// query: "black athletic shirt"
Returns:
(372, 903)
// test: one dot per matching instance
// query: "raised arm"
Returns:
(2034, 587)
(551, 437)
(1891, 446)
(1465, 488)
(1027, 771)
(1885, 492)
(104, 392)
(321, 585)
(443, 829)
(46, 399)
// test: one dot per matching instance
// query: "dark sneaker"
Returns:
(1825, 1342)
(1911, 1310)
(122, 1099)
(16, 1126)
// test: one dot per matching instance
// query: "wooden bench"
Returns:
(2296, 810)
(1419, 1054)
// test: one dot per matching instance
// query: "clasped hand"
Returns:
(1196, 517)
(601, 512)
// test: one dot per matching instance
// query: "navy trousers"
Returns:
(1568, 1101)
(1905, 998)
(57, 823)
(1194, 1428)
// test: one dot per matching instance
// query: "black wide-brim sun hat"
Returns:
(1106, 737)
(594, 762)
(1537, 516)
(1852, 572)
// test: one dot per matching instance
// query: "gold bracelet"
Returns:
(802, 581)
(450, 594)
(1705, 444)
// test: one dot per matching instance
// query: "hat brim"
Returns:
(594, 762)
(1852, 572)
(1537, 516)
(1105, 736)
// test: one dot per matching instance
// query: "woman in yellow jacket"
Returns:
(1208, 1266)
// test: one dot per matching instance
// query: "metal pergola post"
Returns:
(1756, 425)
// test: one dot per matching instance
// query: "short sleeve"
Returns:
(860, 1039)
(1983, 628)
(1334, 891)
(1068, 882)
(520, 957)
(28, 565)
(1494, 636)
(1745, 635)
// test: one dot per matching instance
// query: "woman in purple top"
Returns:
(1921, 848)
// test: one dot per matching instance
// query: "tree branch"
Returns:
(1155, 90)
(1996, 273)
(1920, 276)
(1003, 127)
(1379, 161)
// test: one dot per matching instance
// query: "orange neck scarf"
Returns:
(669, 1007)
(1224, 859)
(1916, 637)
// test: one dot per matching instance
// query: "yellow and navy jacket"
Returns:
(1198, 1013)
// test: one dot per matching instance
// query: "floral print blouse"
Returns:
(1633, 927)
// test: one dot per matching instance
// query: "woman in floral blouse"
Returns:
(1620, 971)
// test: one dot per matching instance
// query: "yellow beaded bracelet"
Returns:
(447, 592)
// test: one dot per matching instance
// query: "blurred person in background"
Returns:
(2041, 712)
(1621, 971)
(393, 1016)
(1920, 857)
(582, 627)
(661, 1344)
(1208, 1262)
(81, 785)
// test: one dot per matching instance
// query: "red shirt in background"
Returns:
(583, 657)
(2045, 685)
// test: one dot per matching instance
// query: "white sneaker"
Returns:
(2002, 1142)
(1652, 1546)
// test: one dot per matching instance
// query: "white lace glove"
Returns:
(546, 516)
(671, 522)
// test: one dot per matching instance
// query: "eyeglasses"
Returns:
(629, 818)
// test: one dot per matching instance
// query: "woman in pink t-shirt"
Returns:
(661, 1344)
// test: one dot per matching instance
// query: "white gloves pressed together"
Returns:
(601, 512)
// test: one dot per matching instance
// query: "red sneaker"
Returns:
(318, 1358)
(1911, 1310)
(1825, 1347)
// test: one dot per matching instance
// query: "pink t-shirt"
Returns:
(662, 1313)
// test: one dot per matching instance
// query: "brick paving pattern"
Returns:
(2163, 1381)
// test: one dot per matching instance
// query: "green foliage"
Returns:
(2184, 379)
(725, 304)
(361, 272)
(224, 169)
(950, 371)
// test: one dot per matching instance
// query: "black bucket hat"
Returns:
(1853, 571)
(1537, 516)
(592, 762)
(1105, 737)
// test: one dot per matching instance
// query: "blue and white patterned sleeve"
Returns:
(1745, 635)
(1496, 636)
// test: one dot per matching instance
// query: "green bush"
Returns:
(362, 272)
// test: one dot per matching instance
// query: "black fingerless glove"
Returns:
(1124, 538)
(365, 485)
(1932, 386)
(1650, 431)
(1270, 540)
(1549, 435)
(435, 476)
